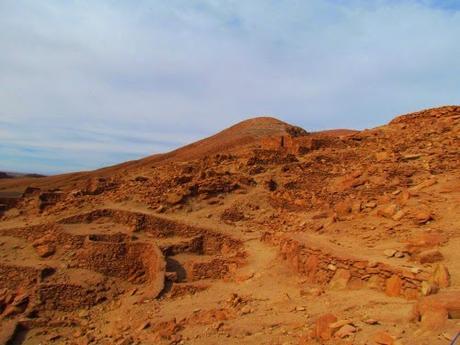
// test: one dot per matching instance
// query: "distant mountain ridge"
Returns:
(9, 174)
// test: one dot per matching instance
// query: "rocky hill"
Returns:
(4, 175)
(261, 234)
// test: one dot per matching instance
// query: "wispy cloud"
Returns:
(90, 83)
(70, 149)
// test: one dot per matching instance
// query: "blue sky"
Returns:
(84, 84)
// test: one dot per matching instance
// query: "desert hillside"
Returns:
(245, 134)
(264, 233)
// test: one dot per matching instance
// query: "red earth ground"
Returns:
(261, 234)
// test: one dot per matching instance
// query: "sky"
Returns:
(86, 84)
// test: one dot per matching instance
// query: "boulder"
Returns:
(433, 311)
(434, 319)
(423, 216)
(427, 183)
(399, 255)
(371, 321)
(322, 329)
(311, 267)
(345, 331)
(45, 250)
(388, 211)
(343, 208)
(393, 286)
(441, 276)
(339, 324)
(340, 279)
(424, 241)
(174, 198)
(375, 282)
(389, 252)
(383, 338)
(370, 204)
(430, 256)
(7, 331)
(429, 288)
(382, 156)
(399, 215)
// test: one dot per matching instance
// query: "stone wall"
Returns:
(300, 145)
(192, 245)
(13, 277)
(155, 266)
(213, 242)
(136, 262)
(50, 232)
(9, 202)
(216, 268)
(67, 297)
(340, 271)
(29, 233)
(48, 199)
